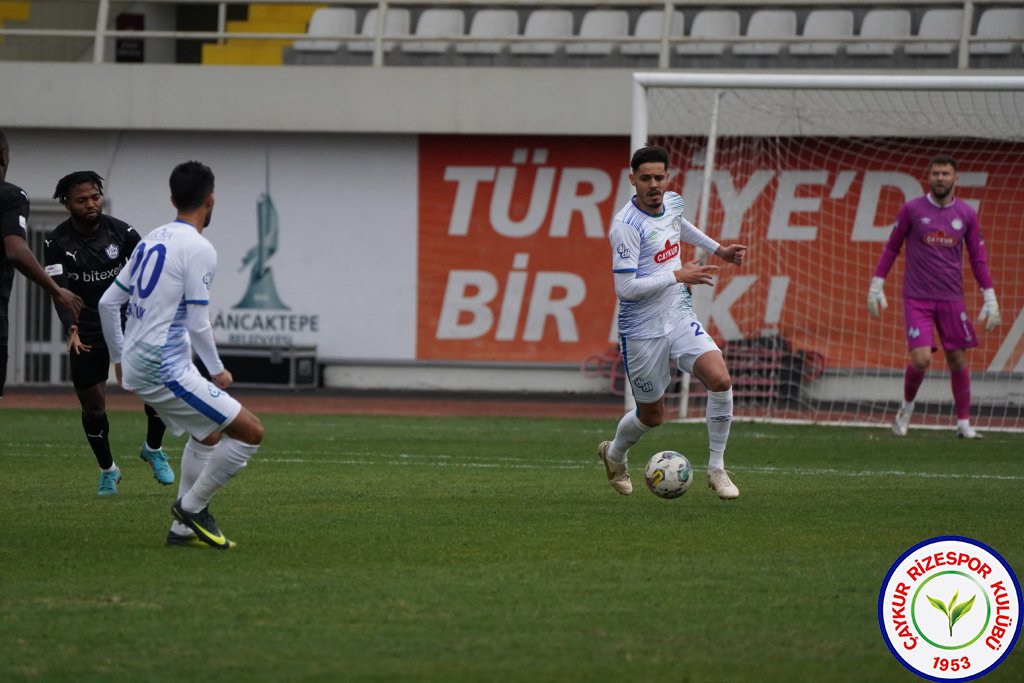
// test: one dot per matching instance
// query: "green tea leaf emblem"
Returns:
(954, 611)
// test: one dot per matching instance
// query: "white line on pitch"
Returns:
(443, 460)
(424, 461)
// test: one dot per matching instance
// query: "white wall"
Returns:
(347, 210)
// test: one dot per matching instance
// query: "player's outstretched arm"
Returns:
(19, 254)
(990, 310)
(734, 253)
(876, 297)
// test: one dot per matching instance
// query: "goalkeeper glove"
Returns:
(876, 297)
(990, 310)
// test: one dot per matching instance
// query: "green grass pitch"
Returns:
(481, 549)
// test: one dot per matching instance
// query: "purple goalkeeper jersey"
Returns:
(935, 236)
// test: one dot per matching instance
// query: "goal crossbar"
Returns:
(643, 80)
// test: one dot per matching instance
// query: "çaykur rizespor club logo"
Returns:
(949, 609)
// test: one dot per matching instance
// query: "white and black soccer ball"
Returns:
(669, 474)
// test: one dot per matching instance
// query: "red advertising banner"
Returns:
(514, 261)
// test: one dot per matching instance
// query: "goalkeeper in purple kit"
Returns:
(935, 228)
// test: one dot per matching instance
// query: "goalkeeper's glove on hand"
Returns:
(990, 310)
(876, 297)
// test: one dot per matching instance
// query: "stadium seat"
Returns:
(711, 24)
(938, 23)
(767, 23)
(822, 24)
(597, 24)
(328, 21)
(436, 22)
(544, 23)
(490, 23)
(648, 27)
(1003, 30)
(882, 23)
(396, 24)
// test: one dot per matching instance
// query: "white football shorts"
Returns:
(647, 360)
(192, 404)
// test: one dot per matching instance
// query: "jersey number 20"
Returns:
(144, 275)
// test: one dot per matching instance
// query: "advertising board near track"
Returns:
(514, 262)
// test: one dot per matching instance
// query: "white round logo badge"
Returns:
(949, 609)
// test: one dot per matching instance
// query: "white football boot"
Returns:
(720, 483)
(618, 474)
(967, 432)
(902, 422)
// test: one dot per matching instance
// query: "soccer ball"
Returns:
(669, 474)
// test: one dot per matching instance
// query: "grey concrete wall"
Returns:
(315, 99)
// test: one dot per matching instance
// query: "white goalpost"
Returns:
(809, 171)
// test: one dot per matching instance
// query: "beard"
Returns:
(87, 221)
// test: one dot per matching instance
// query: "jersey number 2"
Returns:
(696, 329)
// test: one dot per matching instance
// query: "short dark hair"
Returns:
(65, 184)
(649, 154)
(191, 184)
(943, 160)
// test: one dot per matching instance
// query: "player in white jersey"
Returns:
(166, 286)
(656, 320)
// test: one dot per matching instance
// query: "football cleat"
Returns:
(902, 422)
(108, 482)
(967, 432)
(157, 460)
(203, 524)
(188, 541)
(720, 483)
(618, 474)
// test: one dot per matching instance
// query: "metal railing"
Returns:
(102, 32)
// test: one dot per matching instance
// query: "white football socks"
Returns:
(228, 458)
(719, 420)
(629, 431)
(194, 457)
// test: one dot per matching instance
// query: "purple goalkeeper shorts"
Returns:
(923, 316)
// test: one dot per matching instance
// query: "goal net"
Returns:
(809, 172)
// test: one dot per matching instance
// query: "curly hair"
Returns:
(65, 184)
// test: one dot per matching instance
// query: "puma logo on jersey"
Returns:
(73, 255)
